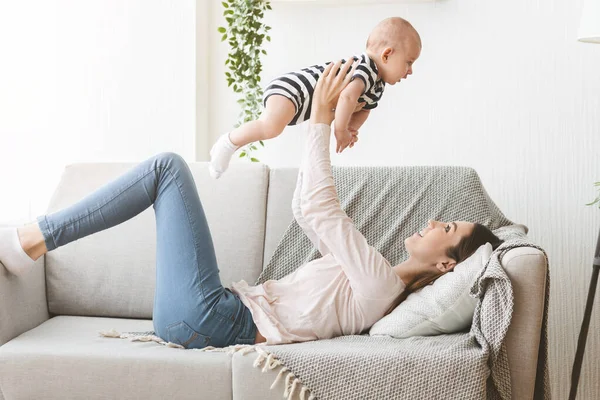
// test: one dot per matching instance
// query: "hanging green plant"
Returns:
(245, 33)
(597, 200)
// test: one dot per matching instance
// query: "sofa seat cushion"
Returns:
(66, 358)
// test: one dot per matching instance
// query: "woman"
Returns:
(344, 292)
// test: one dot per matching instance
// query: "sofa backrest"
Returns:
(112, 273)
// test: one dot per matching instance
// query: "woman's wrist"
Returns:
(321, 126)
(321, 115)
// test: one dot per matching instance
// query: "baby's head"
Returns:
(394, 45)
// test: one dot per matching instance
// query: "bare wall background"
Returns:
(98, 80)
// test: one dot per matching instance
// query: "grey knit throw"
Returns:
(388, 204)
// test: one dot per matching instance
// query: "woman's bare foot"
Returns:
(32, 240)
(20, 247)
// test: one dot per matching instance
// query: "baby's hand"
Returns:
(345, 138)
(354, 133)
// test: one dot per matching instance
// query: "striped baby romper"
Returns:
(299, 86)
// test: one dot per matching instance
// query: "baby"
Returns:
(392, 48)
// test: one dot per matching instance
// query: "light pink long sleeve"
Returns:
(308, 231)
(344, 292)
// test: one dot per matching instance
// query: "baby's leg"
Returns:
(279, 111)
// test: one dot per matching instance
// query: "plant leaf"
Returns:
(245, 31)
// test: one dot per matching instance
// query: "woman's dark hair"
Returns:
(463, 250)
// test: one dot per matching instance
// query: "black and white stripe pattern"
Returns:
(299, 86)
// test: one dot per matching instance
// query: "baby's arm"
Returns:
(343, 112)
(358, 119)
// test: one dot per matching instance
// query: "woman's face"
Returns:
(429, 246)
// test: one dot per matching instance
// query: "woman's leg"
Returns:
(191, 307)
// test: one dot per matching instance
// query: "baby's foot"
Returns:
(12, 255)
(220, 155)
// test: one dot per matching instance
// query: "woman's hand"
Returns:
(328, 89)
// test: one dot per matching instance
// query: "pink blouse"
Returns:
(342, 293)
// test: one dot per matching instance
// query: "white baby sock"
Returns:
(220, 155)
(12, 255)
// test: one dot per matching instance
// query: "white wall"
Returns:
(102, 80)
(502, 86)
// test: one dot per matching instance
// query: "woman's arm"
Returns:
(300, 219)
(296, 201)
(319, 202)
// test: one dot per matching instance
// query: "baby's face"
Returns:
(398, 65)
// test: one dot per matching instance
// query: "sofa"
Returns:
(50, 319)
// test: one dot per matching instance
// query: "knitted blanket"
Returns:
(388, 204)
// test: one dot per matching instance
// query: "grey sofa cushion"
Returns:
(112, 273)
(65, 358)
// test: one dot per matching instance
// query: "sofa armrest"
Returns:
(23, 303)
(526, 267)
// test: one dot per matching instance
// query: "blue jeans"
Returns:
(191, 306)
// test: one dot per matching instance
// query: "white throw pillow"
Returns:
(442, 307)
